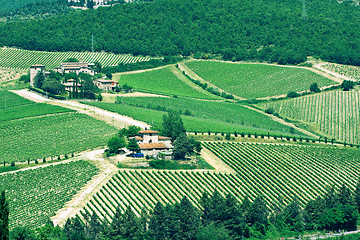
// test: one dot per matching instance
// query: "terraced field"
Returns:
(267, 169)
(168, 81)
(352, 72)
(214, 116)
(35, 195)
(256, 80)
(23, 59)
(335, 114)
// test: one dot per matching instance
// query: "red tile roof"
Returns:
(145, 146)
(148, 131)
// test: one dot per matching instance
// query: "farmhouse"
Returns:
(70, 84)
(75, 67)
(106, 85)
(151, 144)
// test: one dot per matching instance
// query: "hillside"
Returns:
(6, 5)
(276, 31)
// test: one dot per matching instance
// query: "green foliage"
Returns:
(279, 35)
(4, 215)
(166, 81)
(39, 79)
(130, 131)
(43, 191)
(347, 85)
(293, 94)
(172, 126)
(133, 145)
(115, 143)
(169, 165)
(256, 80)
(314, 88)
(182, 147)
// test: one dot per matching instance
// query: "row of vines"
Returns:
(23, 59)
(262, 169)
(336, 114)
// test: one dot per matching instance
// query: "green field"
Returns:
(256, 80)
(23, 59)
(270, 170)
(214, 116)
(334, 114)
(51, 136)
(31, 110)
(35, 195)
(168, 81)
(9, 99)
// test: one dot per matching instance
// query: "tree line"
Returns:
(219, 217)
(262, 30)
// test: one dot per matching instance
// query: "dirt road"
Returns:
(111, 118)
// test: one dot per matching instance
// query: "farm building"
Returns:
(106, 85)
(76, 67)
(151, 144)
(70, 84)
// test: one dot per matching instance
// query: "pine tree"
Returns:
(133, 145)
(4, 216)
(172, 126)
(344, 195)
(189, 219)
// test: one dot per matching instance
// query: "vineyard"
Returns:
(23, 59)
(216, 117)
(336, 114)
(352, 72)
(35, 195)
(31, 110)
(33, 138)
(256, 80)
(168, 81)
(262, 169)
(9, 99)
(8, 75)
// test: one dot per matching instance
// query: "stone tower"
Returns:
(34, 69)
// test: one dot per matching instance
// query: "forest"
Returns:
(283, 31)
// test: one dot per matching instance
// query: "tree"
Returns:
(4, 216)
(97, 66)
(22, 233)
(347, 85)
(115, 143)
(172, 125)
(25, 78)
(189, 219)
(131, 131)
(53, 86)
(133, 145)
(39, 79)
(357, 195)
(314, 88)
(182, 147)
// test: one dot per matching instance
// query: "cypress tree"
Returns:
(4, 217)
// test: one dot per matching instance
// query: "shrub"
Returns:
(36, 161)
(270, 110)
(235, 134)
(228, 137)
(262, 136)
(12, 164)
(242, 134)
(292, 94)
(44, 160)
(59, 158)
(66, 156)
(314, 88)
(218, 138)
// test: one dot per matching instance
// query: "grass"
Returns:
(334, 114)
(53, 135)
(213, 116)
(256, 80)
(35, 195)
(167, 81)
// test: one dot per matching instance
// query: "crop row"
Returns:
(352, 72)
(337, 114)
(35, 195)
(289, 170)
(33, 138)
(23, 59)
(269, 170)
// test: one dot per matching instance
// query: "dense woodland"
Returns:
(219, 218)
(281, 31)
(36, 10)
